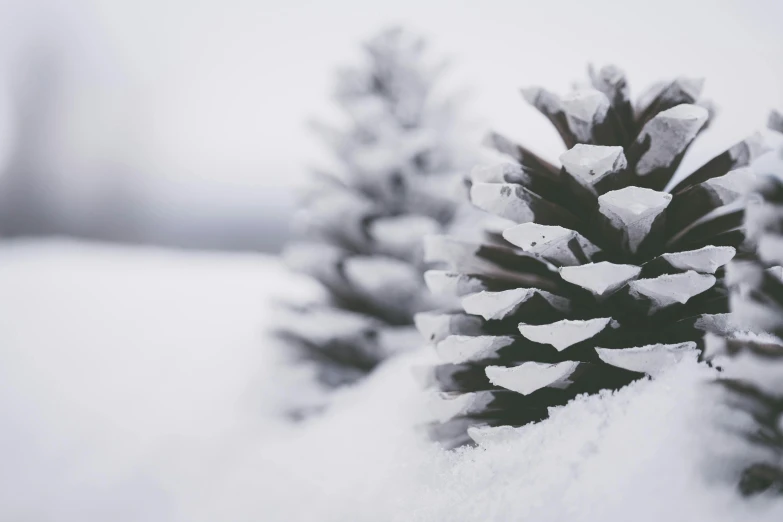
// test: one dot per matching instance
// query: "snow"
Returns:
(458, 349)
(601, 458)
(500, 173)
(670, 132)
(507, 200)
(398, 281)
(735, 184)
(503, 304)
(585, 108)
(651, 359)
(704, 260)
(565, 333)
(541, 99)
(633, 210)
(461, 256)
(401, 235)
(137, 385)
(530, 376)
(118, 367)
(589, 164)
(445, 283)
(668, 289)
(436, 326)
(600, 278)
(650, 452)
(553, 243)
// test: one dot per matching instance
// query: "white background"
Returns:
(205, 103)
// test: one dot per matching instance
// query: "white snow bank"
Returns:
(649, 452)
(134, 387)
(120, 367)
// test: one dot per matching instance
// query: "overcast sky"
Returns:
(221, 89)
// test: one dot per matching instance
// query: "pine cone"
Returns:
(752, 357)
(607, 275)
(361, 227)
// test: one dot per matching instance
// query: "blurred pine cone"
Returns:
(398, 156)
(752, 357)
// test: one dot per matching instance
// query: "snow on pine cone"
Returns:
(399, 159)
(607, 275)
(752, 358)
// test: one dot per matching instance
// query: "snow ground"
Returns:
(136, 385)
(120, 367)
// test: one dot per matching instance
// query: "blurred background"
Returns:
(135, 382)
(183, 124)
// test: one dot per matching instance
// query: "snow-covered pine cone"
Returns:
(607, 275)
(753, 357)
(399, 158)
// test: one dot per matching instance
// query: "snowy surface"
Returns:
(138, 386)
(122, 370)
